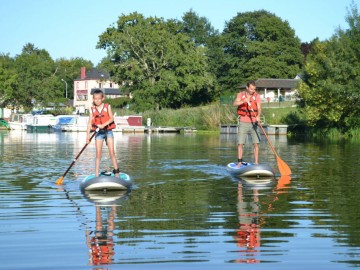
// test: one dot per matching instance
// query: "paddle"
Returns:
(61, 179)
(284, 169)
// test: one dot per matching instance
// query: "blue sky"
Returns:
(70, 28)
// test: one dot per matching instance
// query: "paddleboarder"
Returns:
(248, 104)
(101, 116)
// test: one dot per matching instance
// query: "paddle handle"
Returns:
(284, 169)
(78, 155)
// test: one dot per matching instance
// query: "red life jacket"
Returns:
(101, 117)
(245, 110)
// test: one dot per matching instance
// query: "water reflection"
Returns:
(185, 208)
(248, 234)
(100, 238)
(252, 212)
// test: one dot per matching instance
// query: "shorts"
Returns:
(245, 129)
(104, 134)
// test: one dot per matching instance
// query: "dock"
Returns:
(160, 129)
(269, 129)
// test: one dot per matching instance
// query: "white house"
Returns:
(85, 85)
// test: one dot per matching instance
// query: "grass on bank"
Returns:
(208, 117)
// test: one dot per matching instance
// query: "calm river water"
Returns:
(185, 210)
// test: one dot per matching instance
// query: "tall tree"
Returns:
(159, 65)
(37, 83)
(199, 29)
(203, 34)
(69, 70)
(331, 87)
(8, 82)
(259, 45)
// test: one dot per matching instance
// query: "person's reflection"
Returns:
(248, 233)
(250, 218)
(100, 241)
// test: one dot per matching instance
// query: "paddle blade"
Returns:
(283, 181)
(284, 169)
(60, 180)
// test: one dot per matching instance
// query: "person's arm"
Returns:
(259, 112)
(238, 100)
(259, 108)
(89, 126)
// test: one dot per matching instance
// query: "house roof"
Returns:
(108, 91)
(276, 83)
(95, 74)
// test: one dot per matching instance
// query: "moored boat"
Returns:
(106, 181)
(18, 121)
(78, 123)
(250, 170)
(41, 123)
(128, 123)
(62, 121)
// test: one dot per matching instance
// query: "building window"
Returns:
(111, 85)
(77, 85)
(100, 84)
(86, 85)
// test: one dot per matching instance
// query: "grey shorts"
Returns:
(102, 134)
(245, 129)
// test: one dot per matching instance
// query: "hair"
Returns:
(98, 91)
(251, 82)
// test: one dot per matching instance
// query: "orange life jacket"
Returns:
(101, 117)
(245, 110)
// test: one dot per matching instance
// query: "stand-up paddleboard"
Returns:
(250, 170)
(106, 181)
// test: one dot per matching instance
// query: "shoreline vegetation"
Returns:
(207, 119)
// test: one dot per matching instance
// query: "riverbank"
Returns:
(210, 117)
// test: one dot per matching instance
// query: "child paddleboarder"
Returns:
(101, 116)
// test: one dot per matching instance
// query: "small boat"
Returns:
(78, 123)
(41, 122)
(63, 120)
(250, 170)
(18, 121)
(129, 123)
(106, 181)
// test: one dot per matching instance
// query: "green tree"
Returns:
(8, 82)
(37, 83)
(259, 45)
(199, 29)
(203, 34)
(158, 64)
(69, 70)
(331, 87)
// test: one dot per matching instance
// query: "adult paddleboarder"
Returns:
(248, 119)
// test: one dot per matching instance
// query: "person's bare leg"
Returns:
(240, 153)
(110, 143)
(256, 153)
(99, 144)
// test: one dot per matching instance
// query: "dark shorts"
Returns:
(245, 129)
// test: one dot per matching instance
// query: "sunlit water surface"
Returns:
(184, 211)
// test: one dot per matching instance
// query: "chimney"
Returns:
(83, 73)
